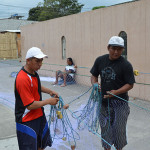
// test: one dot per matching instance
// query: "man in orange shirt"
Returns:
(32, 128)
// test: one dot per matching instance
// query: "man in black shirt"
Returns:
(117, 78)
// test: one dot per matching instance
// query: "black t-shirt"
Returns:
(113, 73)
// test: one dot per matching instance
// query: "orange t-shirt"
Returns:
(27, 90)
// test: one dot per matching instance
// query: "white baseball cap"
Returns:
(35, 52)
(116, 41)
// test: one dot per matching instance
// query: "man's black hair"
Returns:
(70, 59)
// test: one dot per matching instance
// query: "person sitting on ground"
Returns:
(67, 74)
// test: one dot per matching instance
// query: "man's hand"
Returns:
(75, 66)
(53, 101)
(53, 93)
(99, 86)
(110, 95)
(49, 91)
(66, 106)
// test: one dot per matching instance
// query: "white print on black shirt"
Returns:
(108, 74)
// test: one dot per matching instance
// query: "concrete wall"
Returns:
(87, 35)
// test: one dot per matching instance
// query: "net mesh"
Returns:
(83, 122)
(60, 125)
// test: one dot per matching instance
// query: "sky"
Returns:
(22, 7)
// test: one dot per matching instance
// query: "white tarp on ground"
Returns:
(48, 79)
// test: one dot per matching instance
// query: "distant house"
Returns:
(10, 34)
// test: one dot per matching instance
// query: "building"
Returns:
(84, 36)
(10, 34)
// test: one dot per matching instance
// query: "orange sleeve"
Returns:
(24, 89)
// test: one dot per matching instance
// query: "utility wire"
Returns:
(30, 7)
(13, 6)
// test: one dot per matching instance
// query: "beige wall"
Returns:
(87, 35)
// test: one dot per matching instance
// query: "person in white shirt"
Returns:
(67, 74)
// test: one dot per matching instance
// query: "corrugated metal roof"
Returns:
(13, 24)
(11, 31)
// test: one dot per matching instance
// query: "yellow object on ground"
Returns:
(58, 112)
(64, 138)
(59, 116)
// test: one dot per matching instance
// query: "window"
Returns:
(63, 44)
(124, 36)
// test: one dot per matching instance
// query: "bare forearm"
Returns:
(49, 91)
(38, 104)
(94, 79)
(45, 90)
(124, 89)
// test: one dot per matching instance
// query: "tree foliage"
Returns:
(53, 9)
(34, 13)
(98, 7)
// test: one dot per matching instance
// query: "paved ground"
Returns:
(138, 123)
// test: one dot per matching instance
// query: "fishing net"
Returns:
(81, 98)
(89, 116)
(60, 125)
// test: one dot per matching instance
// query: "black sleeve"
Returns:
(95, 71)
(128, 74)
(39, 86)
(72, 71)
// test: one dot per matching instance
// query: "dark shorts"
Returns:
(33, 134)
(68, 77)
(113, 120)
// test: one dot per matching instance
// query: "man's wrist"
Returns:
(50, 92)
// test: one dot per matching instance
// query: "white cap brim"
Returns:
(41, 56)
